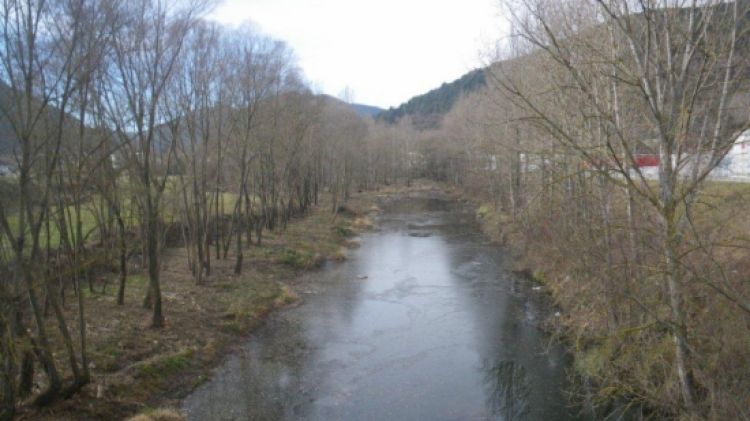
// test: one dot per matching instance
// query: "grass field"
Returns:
(94, 210)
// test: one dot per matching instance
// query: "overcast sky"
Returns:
(386, 51)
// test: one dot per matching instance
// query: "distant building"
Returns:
(646, 160)
(735, 165)
(737, 161)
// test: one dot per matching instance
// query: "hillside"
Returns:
(8, 137)
(427, 109)
(367, 110)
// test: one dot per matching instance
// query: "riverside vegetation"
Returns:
(135, 369)
(157, 156)
(649, 270)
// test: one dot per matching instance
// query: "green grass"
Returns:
(88, 222)
(250, 301)
(165, 365)
(108, 355)
(483, 211)
(171, 210)
(344, 231)
(298, 259)
(88, 217)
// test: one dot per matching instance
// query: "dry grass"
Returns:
(618, 347)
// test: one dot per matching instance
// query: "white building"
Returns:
(737, 161)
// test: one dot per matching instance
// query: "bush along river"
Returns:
(423, 322)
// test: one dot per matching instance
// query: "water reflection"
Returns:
(507, 389)
(436, 330)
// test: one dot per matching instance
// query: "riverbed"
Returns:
(424, 321)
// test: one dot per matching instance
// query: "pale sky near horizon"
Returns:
(385, 51)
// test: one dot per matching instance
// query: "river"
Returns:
(423, 322)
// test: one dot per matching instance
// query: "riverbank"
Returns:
(502, 231)
(611, 316)
(137, 370)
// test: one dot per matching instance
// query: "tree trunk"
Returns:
(679, 330)
(153, 264)
(63, 327)
(123, 260)
(45, 352)
(8, 371)
(26, 381)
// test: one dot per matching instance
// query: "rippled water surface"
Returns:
(423, 322)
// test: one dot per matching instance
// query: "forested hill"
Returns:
(361, 109)
(367, 110)
(8, 137)
(427, 109)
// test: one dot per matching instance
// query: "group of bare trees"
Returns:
(646, 265)
(132, 121)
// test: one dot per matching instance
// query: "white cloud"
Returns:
(387, 51)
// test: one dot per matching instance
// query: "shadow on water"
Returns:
(423, 322)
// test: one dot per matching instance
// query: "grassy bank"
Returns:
(614, 316)
(136, 369)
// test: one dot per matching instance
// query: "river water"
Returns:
(423, 322)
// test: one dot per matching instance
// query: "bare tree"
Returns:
(146, 49)
(195, 102)
(674, 65)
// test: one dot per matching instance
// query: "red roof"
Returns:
(647, 161)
